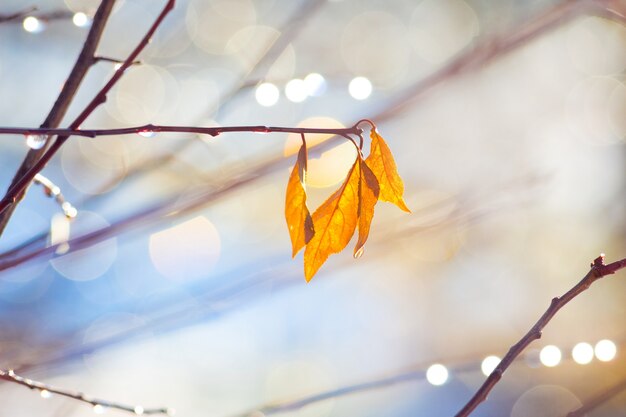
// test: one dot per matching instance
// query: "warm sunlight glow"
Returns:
(437, 374)
(550, 356)
(605, 350)
(582, 353)
(489, 364)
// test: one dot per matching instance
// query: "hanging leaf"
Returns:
(299, 221)
(368, 197)
(334, 221)
(381, 161)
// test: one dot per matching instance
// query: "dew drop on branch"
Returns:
(147, 133)
(36, 141)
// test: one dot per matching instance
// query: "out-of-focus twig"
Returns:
(99, 405)
(45, 17)
(597, 271)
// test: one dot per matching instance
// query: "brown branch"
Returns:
(62, 103)
(597, 271)
(599, 399)
(17, 188)
(100, 405)
(150, 128)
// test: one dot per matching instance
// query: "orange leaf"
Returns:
(335, 221)
(368, 197)
(381, 161)
(299, 221)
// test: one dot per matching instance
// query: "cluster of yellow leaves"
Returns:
(332, 225)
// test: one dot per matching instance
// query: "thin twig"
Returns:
(99, 405)
(599, 399)
(99, 58)
(17, 15)
(597, 271)
(16, 189)
(150, 128)
(58, 111)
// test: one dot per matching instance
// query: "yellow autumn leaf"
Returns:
(382, 164)
(299, 220)
(334, 221)
(368, 197)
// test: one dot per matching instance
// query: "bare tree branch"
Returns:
(597, 271)
(99, 405)
(16, 190)
(20, 182)
(149, 129)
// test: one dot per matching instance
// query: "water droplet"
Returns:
(147, 133)
(98, 409)
(358, 253)
(139, 410)
(36, 141)
(69, 210)
(45, 393)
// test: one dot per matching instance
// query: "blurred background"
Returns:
(514, 167)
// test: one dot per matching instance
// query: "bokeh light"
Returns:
(186, 251)
(267, 94)
(605, 350)
(33, 25)
(296, 90)
(582, 353)
(489, 364)
(550, 356)
(91, 262)
(360, 88)
(437, 374)
(81, 20)
(315, 84)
